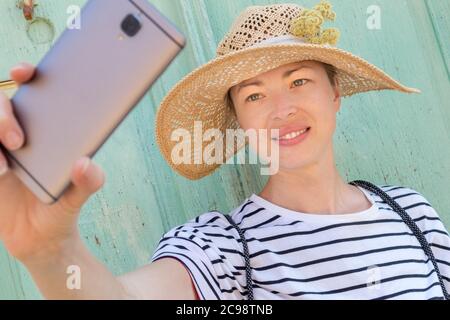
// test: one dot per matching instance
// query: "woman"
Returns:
(307, 235)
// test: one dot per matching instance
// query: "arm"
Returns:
(164, 279)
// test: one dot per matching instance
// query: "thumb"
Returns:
(87, 178)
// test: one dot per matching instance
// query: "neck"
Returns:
(317, 188)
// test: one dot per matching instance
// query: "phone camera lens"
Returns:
(131, 25)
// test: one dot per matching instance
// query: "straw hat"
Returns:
(260, 39)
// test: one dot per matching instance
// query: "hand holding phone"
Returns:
(64, 112)
(29, 227)
(68, 111)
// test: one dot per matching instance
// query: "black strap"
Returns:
(410, 223)
(248, 268)
(391, 202)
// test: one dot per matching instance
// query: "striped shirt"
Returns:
(370, 254)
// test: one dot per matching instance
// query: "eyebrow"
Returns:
(259, 83)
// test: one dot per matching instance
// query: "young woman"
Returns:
(307, 235)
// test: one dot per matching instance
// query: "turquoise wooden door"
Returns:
(383, 137)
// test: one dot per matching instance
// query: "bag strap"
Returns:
(409, 222)
(248, 268)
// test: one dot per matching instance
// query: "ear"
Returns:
(337, 95)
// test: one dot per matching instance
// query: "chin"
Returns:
(292, 164)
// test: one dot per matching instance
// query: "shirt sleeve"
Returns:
(211, 274)
(438, 237)
(439, 240)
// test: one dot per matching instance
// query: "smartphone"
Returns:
(85, 86)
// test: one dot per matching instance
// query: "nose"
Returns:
(283, 107)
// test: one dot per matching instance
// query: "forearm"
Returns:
(54, 282)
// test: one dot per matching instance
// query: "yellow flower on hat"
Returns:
(324, 8)
(326, 36)
(308, 25)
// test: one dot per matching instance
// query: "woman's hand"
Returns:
(30, 229)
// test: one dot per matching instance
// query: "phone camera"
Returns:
(131, 25)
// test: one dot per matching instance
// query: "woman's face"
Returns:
(290, 98)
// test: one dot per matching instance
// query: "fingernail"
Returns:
(85, 165)
(13, 140)
(18, 67)
(3, 167)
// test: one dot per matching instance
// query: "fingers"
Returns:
(11, 134)
(87, 178)
(22, 72)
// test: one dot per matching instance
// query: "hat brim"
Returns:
(200, 95)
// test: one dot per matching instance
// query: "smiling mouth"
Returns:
(291, 135)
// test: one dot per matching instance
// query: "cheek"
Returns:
(324, 114)
(255, 126)
(250, 119)
(330, 119)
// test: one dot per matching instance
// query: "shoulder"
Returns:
(212, 221)
(407, 197)
(203, 234)
(209, 233)
(204, 222)
(212, 225)
(417, 206)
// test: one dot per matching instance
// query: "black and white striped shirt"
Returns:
(370, 254)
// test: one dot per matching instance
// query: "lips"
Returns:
(290, 131)
(293, 138)
(293, 135)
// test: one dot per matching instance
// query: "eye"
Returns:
(252, 97)
(299, 82)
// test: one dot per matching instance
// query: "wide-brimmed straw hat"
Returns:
(260, 39)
